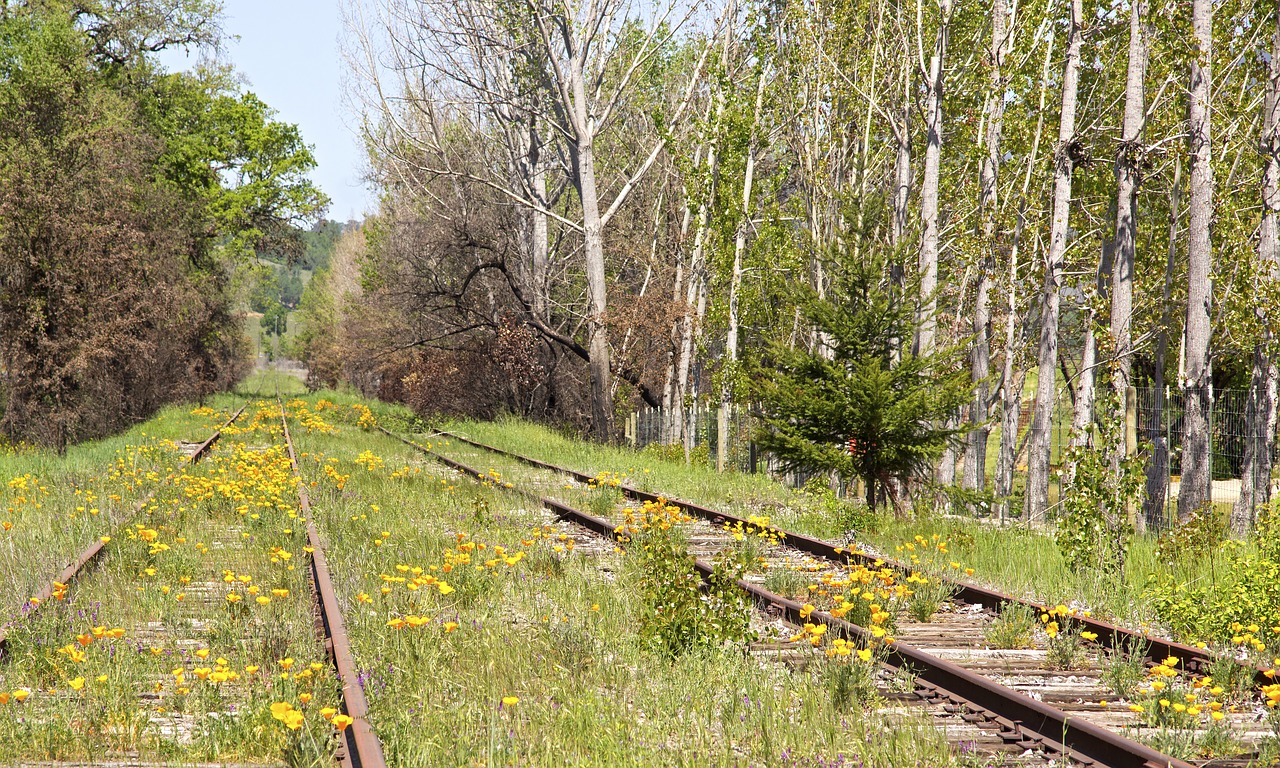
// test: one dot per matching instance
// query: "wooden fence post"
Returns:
(1131, 445)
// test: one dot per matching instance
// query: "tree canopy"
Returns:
(127, 196)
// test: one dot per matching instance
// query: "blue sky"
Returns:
(288, 51)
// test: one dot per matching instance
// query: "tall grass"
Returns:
(557, 633)
(1023, 562)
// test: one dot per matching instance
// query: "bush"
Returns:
(679, 614)
(841, 516)
(1095, 529)
(1242, 588)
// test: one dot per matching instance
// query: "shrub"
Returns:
(1013, 628)
(1095, 529)
(679, 614)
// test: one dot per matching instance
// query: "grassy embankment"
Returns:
(1020, 561)
(530, 655)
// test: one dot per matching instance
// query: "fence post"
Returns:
(1168, 475)
(1210, 438)
(1131, 442)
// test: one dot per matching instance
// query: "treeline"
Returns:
(128, 195)
(592, 206)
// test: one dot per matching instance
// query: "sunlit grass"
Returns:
(196, 622)
(1023, 562)
(537, 662)
(52, 506)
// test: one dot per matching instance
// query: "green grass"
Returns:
(209, 608)
(1017, 560)
(587, 693)
(54, 506)
(555, 629)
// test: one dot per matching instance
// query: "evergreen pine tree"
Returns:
(867, 408)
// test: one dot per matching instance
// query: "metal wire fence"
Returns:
(1159, 419)
(1161, 430)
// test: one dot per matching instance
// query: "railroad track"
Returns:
(1108, 635)
(91, 554)
(361, 747)
(209, 643)
(1030, 707)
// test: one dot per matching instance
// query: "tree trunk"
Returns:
(540, 239)
(975, 461)
(902, 167)
(593, 251)
(901, 198)
(929, 237)
(1037, 503)
(1196, 470)
(735, 282)
(1158, 467)
(675, 413)
(598, 332)
(1085, 397)
(670, 412)
(688, 329)
(924, 340)
(1087, 378)
(1012, 379)
(1260, 416)
(1128, 180)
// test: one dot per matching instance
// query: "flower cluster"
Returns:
(365, 420)
(652, 515)
(1169, 699)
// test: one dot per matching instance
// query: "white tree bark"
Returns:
(1082, 416)
(735, 282)
(924, 341)
(926, 330)
(901, 191)
(1260, 416)
(1037, 502)
(1194, 487)
(593, 249)
(1012, 375)
(1128, 180)
(975, 460)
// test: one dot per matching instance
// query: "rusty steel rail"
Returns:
(362, 749)
(92, 552)
(1022, 719)
(1189, 657)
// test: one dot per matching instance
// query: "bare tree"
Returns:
(535, 78)
(1037, 503)
(1260, 416)
(1194, 487)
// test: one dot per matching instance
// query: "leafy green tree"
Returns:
(125, 197)
(108, 305)
(224, 151)
(291, 288)
(320, 242)
(870, 409)
(275, 320)
(266, 288)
